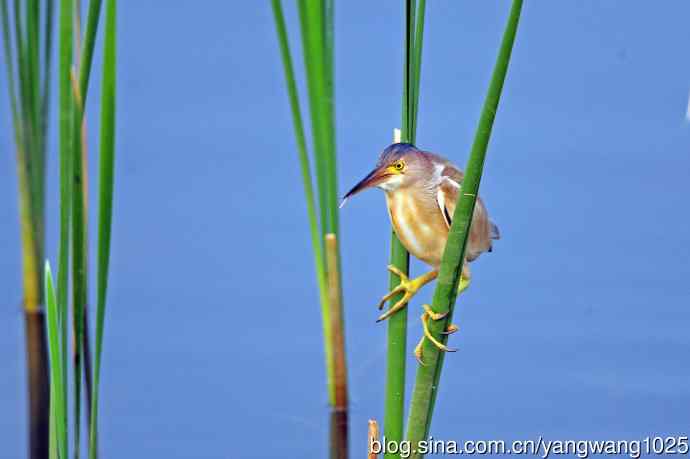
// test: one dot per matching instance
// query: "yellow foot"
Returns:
(430, 314)
(407, 287)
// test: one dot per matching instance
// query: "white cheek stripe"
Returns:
(392, 183)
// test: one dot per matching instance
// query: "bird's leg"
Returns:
(406, 286)
(430, 314)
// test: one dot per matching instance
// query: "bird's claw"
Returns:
(407, 287)
(401, 287)
(452, 328)
(430, 314)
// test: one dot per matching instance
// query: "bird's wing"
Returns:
(447, 196)
(482, 230)
(447, 193)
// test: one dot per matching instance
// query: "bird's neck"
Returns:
(409, 199)
(406, 194)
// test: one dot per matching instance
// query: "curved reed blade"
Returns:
(305, 169)
(79, 262)
(428, 375)
(80, 84)
(86, 59)
(316, 26)
(56, 347)
(66, 105)
(105, 203)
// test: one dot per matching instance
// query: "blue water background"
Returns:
(576, 326)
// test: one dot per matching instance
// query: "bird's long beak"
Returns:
(374, 178)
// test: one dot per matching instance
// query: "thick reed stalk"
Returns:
(428, 375)
(397, 325)
(339, 414)
(28, 91)
(337, 322)
(394, 408)
(39, 394)
(338, 430)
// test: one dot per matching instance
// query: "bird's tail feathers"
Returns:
(493, 231)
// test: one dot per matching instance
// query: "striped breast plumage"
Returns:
(418, 223)
(421, 218)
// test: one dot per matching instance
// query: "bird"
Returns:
(421, 190)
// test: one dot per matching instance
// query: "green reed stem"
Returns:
(417, 65)
(305, 169)
(58, 403)
(316, 24)
(27, 77)
(47, 58)
(79, 262)
(33, 112)
(316, 20)
(86, 60)
(428, 375)
(311, 27)
(66, 182)
(394, 410)
(105, 200)
(9, 63)
(24, 82)
(79, 220)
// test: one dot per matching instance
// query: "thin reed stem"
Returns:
(105, 200)
(58, 404)
(393, 424)
(79, 292)
(316, 26)
(80, 83)
(305, 169)
(66, 186)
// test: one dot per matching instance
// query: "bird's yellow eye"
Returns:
(399, 165)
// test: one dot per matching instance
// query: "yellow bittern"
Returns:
(421, 192)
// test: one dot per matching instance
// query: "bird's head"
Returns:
(400, 165)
